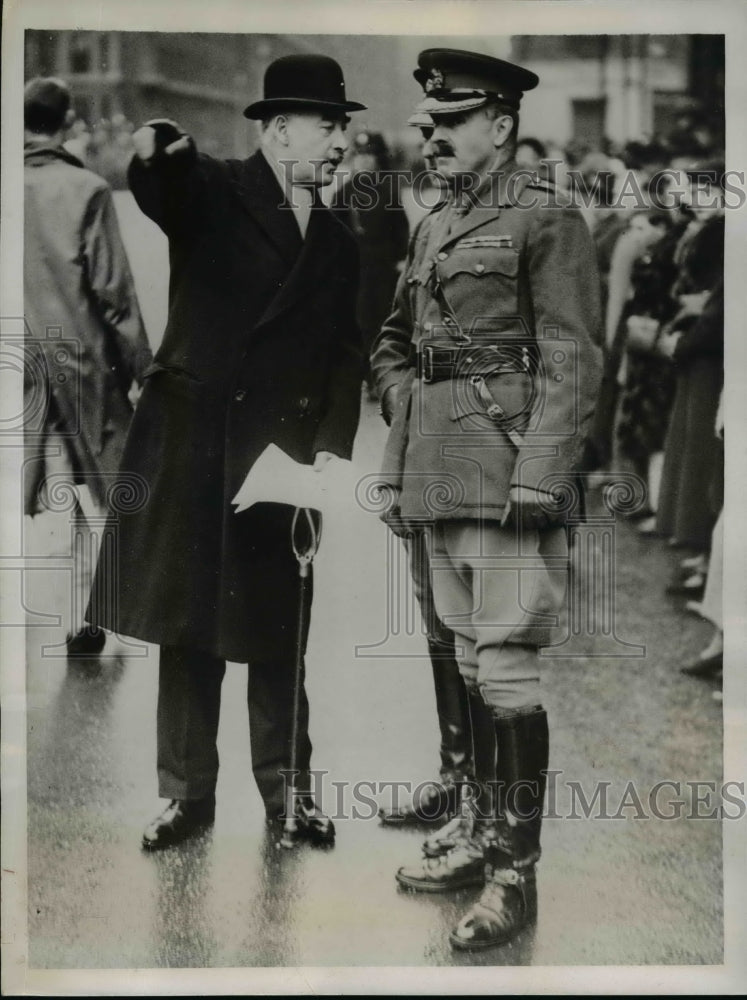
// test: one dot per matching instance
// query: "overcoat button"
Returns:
(239, 395)
(479, 268)
(428, 327)
(304, 402)
(442, 256)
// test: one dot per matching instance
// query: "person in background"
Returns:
(531, 154)
(78, 140)
(380, 225)
(648, 389)
(710, 661)
(87, 351)
(694, 341)
(439, 799)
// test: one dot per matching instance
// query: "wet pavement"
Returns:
(629, 890)
(618, 891)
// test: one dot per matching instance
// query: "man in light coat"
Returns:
(86, 346)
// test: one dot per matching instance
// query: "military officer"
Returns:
(488, 372)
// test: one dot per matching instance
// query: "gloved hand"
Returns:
(532, 509)
(162, 137)
(388, 404)
(393, 519)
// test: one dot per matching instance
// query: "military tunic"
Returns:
(492, 349)
(514, 285)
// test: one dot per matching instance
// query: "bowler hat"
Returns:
(46, 101)
(455, 80)
(303, 81)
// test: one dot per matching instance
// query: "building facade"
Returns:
(618, 87)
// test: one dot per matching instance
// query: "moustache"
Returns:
(441, 149)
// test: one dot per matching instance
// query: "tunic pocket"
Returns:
(481, 279)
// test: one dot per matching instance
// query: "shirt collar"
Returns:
(296, 193)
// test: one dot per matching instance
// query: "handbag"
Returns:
(642, 335)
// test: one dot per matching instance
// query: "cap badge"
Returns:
(435, 81)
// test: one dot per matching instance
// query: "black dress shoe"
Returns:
(707, 666)
(433, 802)
(308, 823)
(89, 641)
(180, 819)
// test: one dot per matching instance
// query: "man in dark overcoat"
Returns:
(261, 347)
(488, 371)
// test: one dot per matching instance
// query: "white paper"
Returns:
(277, 478)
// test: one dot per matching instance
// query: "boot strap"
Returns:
(510, 878)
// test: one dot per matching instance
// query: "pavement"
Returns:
(629, 890)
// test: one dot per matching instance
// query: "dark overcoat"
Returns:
(515, 279)
(261, 346)
(693, 462)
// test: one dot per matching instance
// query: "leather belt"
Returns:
(435, 363)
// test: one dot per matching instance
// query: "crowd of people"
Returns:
(659, 416)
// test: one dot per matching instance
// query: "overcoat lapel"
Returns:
(306, 271)
(261, 195)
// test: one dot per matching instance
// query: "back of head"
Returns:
(46, 102)
(368, 143)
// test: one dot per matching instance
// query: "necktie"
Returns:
(459, 209)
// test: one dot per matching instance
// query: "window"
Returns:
(588, 121)
(81, 55)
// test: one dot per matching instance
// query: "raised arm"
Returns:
(167, 176)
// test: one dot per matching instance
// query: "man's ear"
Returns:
(281, 129)
(502, 128)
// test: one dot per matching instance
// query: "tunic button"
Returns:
(447, 319)
(442, 256)
(479, 268)
(428, 327)
(304, 402)
(239, 395)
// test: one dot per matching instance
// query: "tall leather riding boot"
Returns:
(452, 706)
(477, 793)
(509, 900)
(455, 856)
(441, 799)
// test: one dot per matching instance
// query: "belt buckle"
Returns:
(426, 364)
